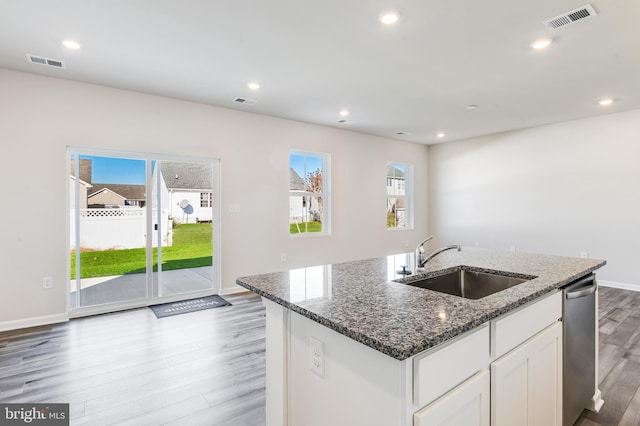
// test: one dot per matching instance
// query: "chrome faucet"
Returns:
(421, 260)
(420, 252)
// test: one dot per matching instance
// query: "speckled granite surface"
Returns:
(359, 299)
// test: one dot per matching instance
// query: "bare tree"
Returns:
(314, 184)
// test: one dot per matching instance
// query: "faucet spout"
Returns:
(437, 252)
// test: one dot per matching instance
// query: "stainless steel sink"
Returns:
(467, 283)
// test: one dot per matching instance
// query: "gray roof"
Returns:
(394, 172)
(128, 192)
(296, 183)
(195, 176)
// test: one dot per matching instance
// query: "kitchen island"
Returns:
(347, 344)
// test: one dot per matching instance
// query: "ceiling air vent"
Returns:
(45, 61)
(570, 17)
(245, 101)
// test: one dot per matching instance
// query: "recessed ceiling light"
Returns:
(344, 121)
(440, 135)
(344, 113)
(472, 106)
(605, 102)
(253, 86)
(389, 17)
(541, 43)
(70, 44)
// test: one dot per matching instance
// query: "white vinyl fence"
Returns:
(121, 228)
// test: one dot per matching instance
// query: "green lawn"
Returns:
(305, 227)
(391, 220)
(192, 248)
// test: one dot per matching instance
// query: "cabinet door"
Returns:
(467, 404)
(527, 382)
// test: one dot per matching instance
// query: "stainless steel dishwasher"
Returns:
(579, 347)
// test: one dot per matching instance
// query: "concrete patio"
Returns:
(101, 290)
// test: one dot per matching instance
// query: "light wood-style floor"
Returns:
(130, 368)
(619, 367)
(208, 367)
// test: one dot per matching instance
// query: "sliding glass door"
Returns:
(183, 264)
(141, 229)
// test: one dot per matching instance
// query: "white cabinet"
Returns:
(441, 369)
(527, 382)
(467, 404)
(526, 373)
(505, 372)
(520, 325)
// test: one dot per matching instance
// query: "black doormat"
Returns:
(191, 305)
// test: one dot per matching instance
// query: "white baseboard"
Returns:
(33, 322)
(621, 286)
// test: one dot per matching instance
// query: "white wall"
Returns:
(560, 189)
(40, 116)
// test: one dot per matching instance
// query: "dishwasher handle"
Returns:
(581, 288)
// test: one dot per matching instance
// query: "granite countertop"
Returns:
(359, 299)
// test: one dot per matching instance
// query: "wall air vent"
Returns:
(45, 61)
(570, 17)
(245, 101)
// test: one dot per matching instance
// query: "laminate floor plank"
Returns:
(618, 389)
(609, 357)
(221, 413)
(583, 421)
(187, 387)
(623, 332)
(631, 416)
(130, 367)
(247, 419)
(619, 367)
(168, 412)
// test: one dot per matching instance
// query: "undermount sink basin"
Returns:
(466, 283)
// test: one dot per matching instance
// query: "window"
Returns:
(399, 197)
(309, 194)
(206, 199)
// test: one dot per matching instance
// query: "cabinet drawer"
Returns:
(444, 367)
(511, 330)
(467, 404)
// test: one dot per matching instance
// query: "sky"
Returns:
(132, 171)
(117, 170)
(297, 163)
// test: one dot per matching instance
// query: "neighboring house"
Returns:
(396, 194)
(85, 168)
(296, 202)
(84, 181)
(83, 187)
(186, 190)
(395, 181)
(111, 195)
(104, 195)
(302, 208)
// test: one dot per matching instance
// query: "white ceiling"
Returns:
(315, 58)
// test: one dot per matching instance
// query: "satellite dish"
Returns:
(184, 204)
